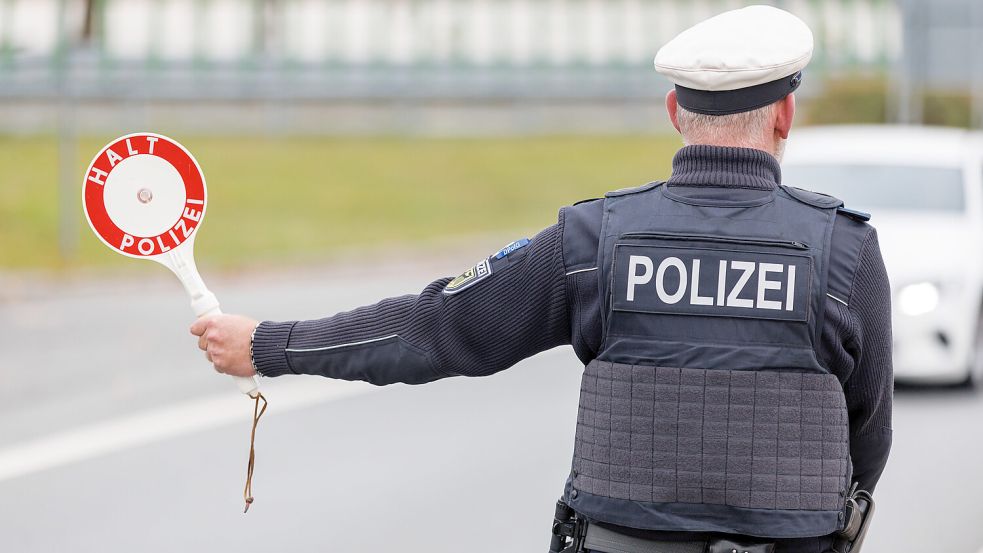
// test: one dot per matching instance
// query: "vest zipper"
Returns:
(722, 239)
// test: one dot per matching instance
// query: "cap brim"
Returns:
(727, 102)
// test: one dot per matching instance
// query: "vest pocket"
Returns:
(768, 242)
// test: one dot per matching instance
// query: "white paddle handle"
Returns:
(248, 385)
(203, 301)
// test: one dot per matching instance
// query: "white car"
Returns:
(924, 189)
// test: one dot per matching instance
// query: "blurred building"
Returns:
(942, 58)
(372, 64)
(331, 34)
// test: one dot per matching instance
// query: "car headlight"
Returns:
(918, 299)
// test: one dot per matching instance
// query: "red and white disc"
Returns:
(144, 195)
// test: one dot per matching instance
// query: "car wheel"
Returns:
(975, 376)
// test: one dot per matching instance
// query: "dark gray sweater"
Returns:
(532, 302)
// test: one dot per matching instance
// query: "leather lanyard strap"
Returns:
(247, 492)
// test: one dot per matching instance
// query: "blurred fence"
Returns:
(426, 66)
(358, 49)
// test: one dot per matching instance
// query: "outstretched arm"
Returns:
(475, 328)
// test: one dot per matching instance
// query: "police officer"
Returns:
(736, 332)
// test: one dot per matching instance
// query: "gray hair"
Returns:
(744, 129)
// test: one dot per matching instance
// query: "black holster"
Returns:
(568, 530)
(859, 512)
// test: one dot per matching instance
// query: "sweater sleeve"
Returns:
(517, 310)
(869, 390)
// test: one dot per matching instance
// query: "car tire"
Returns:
(975, 376)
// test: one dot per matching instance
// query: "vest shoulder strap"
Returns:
(815, 199)
(825, 201)
(634, 190)
(585, 200)
(857, 215)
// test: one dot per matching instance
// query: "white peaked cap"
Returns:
(740, 60)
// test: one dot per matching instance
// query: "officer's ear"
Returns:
(672, 107)
(785, 109)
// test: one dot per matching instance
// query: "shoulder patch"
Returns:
(861, 216)
(633, 190)
(518, 244)
(815, 199)
(469, 278)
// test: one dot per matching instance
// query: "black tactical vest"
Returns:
(706, 409)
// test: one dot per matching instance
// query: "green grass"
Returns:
(298, 199)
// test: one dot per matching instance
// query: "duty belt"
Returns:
(601, 539)
(574, 534)
(608, 541)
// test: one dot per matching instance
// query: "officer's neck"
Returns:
(725, 167)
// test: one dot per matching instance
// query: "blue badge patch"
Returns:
(518, 244)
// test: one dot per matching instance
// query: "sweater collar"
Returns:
(725, 167)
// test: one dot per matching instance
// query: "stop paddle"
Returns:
(144, 196)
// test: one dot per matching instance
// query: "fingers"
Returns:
(212, 352)
(218, 359)
(201, 325)
(201, 329)
(225, 340)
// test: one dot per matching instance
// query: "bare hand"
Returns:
(225, 339)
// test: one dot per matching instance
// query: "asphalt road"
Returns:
(116, 437)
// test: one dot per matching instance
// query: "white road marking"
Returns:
(130, 431)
